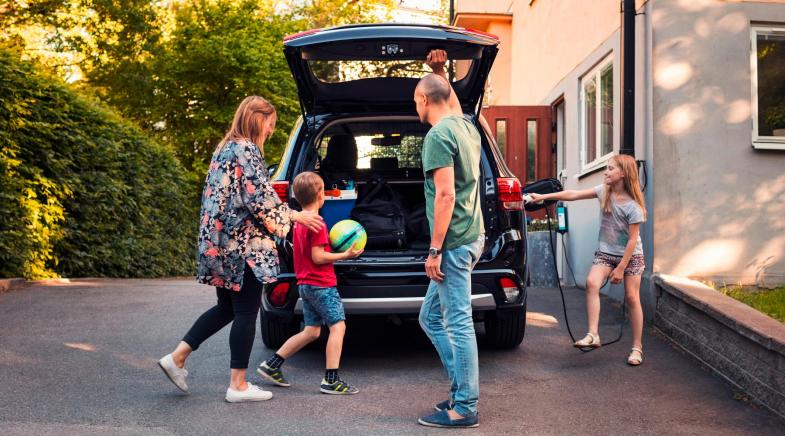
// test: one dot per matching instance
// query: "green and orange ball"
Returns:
(346, 233)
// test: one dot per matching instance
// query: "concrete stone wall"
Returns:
(736, 342)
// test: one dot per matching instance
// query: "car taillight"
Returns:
(301, 34)
(279, 293)
(510, 289)
(282, 189)
(510, 195)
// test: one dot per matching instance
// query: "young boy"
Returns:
(313, 267)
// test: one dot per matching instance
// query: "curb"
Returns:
(11, 284)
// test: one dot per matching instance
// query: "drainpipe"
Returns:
(628, 78)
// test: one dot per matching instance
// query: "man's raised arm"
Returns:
(436, 60)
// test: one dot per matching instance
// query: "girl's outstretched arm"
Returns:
(568, 195)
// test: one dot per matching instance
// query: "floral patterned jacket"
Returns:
(240, 214)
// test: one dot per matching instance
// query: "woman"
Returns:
(240, 215)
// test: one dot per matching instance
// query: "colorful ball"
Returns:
(346, 233)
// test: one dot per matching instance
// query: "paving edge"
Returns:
(11, 284)
(748, 322)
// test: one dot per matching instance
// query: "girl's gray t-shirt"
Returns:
(614, 227)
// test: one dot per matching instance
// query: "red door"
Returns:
(524, 136)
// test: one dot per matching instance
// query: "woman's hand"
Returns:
(312, 220)
(617, 275)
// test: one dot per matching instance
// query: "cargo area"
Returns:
(373, 175)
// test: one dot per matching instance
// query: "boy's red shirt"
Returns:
(306, 271)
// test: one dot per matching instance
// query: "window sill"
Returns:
(769, 145)
(593, 167)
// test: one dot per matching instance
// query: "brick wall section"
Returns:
(737, 342)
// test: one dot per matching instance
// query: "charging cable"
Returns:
(561, 290)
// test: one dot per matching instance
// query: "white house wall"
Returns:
(719, 204)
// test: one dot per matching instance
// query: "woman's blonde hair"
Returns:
(249, 120)
(629, 167)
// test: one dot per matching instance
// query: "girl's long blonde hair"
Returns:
(249, 120)
(629, 167)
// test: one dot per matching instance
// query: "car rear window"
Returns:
(381, 145)
(338, 71)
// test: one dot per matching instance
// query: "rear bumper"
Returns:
(403, 305)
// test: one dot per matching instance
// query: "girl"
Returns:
(620, 254)
(240, 213)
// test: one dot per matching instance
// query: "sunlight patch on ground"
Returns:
(538, 319)
(80, 346)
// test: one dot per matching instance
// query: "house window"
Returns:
(501, 136)
(531, 150)
(767, 59)
(597, 114)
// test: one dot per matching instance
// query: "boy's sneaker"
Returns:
(253, 393)
(338, 388)
(176, 375)
(273, 375)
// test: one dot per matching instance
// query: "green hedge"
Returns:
(83, 192)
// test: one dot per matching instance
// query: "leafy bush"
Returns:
(82, 192)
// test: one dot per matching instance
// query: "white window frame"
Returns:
(600, 160)
(761, 142)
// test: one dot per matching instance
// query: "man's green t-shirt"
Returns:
(455, 142)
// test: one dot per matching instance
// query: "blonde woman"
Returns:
(620, 254)
(239, 216)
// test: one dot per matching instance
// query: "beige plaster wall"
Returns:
(499, 80)
(719, 205)
(551, 38)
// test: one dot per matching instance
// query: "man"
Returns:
(451, 163)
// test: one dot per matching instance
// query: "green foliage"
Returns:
(180, 68)
(775, 116)
(540, 225)
(768, 301)
(83, 193)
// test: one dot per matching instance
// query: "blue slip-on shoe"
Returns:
(442, 420)
(444, 405)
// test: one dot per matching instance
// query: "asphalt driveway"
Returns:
(80, 358)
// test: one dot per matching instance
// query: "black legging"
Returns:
(242, 307)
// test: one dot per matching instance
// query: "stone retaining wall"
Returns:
(740, 344)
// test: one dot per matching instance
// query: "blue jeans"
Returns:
(446, 317)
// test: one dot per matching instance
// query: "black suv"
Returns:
(356, 86)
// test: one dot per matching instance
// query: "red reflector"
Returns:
(507, 283)
(510, 194)
(301, 34)
(279, 294)
(282, 189)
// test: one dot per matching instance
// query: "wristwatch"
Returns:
(434, 252)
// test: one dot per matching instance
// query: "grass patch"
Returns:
(768, 301)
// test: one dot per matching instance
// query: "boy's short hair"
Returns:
(306, 187)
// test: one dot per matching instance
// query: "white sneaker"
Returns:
(175, 374)
(253, 393)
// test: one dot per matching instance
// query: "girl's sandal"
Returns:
(636, 357)
(589, 341)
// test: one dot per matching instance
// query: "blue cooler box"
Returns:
(338, 208)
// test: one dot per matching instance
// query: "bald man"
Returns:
(451, 163)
